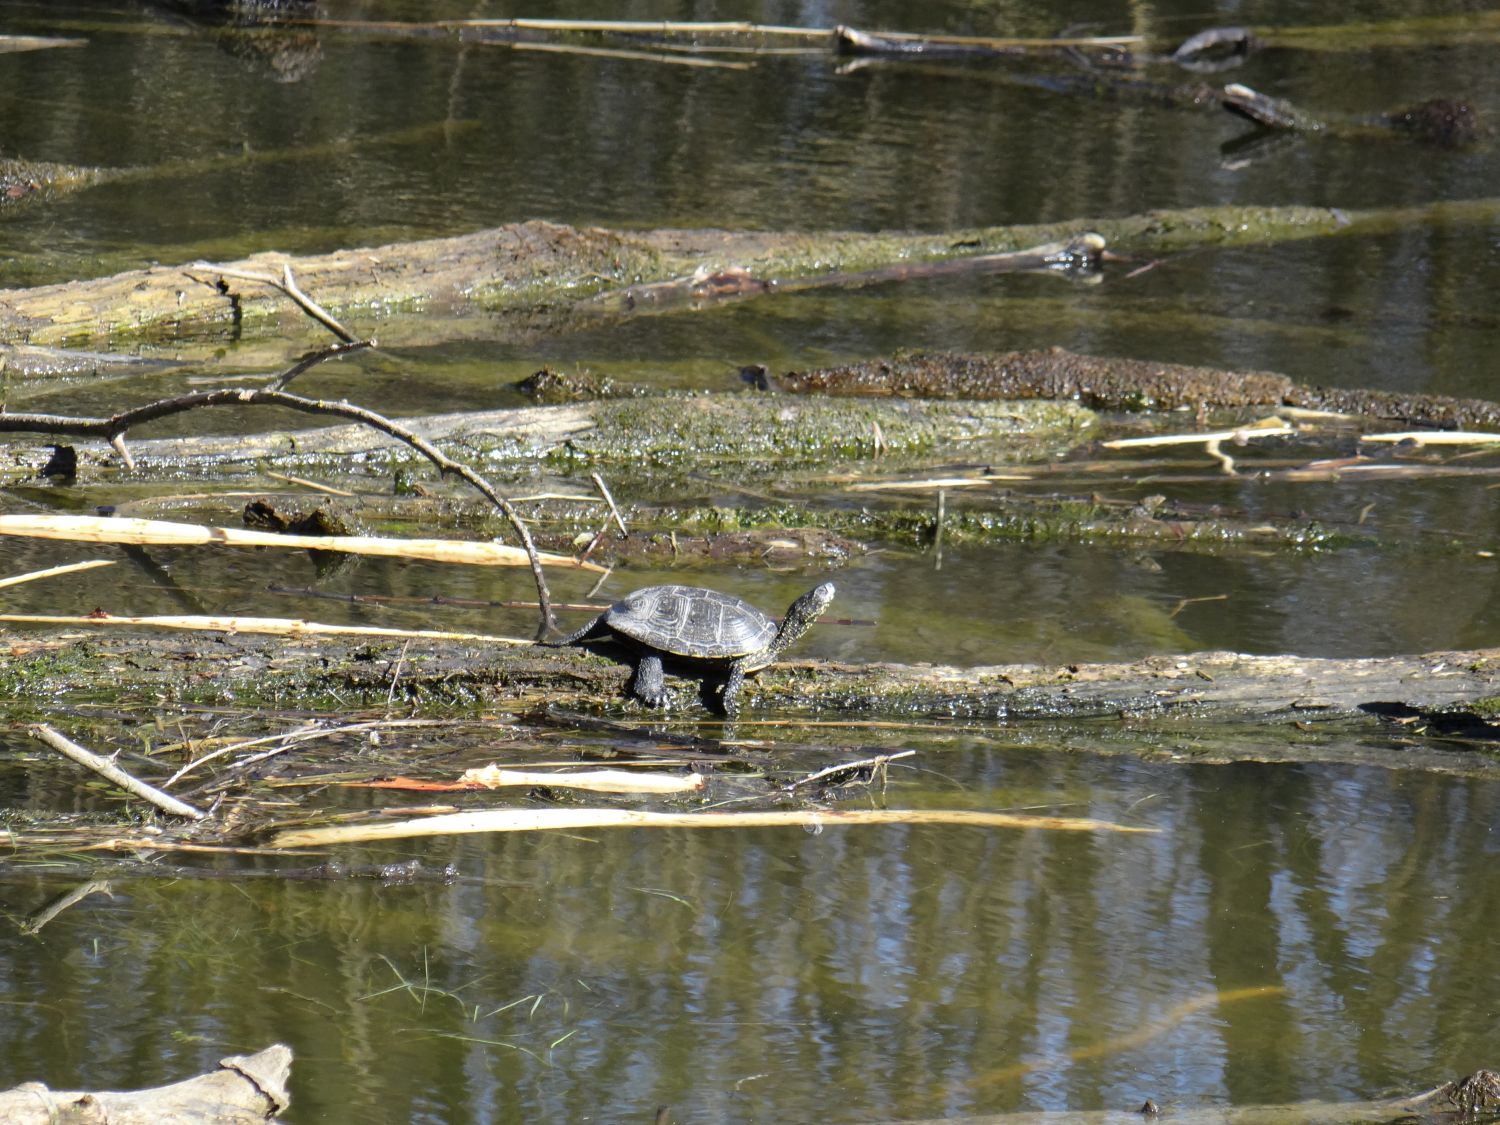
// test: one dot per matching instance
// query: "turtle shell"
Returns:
(691, 621)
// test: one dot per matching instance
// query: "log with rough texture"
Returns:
(662, 430)
(524, 268)
(245, 1089)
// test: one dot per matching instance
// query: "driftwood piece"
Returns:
(245, 1089)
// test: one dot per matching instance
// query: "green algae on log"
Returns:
(127, 668)
(532, 267)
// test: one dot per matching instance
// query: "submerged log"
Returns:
(245, 1089)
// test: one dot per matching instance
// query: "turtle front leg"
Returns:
(732, 688)
(649, 684)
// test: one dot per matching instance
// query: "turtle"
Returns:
(701, 626)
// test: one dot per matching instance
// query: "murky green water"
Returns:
(1293, 932)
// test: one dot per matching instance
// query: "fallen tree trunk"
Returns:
(538, 268)
(662, 430)
(244, 1090)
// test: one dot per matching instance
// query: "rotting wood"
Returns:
(537, 268)
(244, 1089)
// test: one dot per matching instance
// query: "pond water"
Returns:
(1294, 932)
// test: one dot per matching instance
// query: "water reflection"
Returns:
(1292, 933)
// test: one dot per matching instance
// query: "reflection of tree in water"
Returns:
(254, 32)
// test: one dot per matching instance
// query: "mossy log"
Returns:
(675, 430)
(230, 670)
(245, 1089)
(535, 271)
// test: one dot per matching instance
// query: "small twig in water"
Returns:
(34, 924)
(106, 768)
(390, 696)
(875, 764)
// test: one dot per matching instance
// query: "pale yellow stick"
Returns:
(53, 572)
(1270, 427)
(535, 820)
(274, 626)
(1436, 437)
(934, 482)
(164, 533)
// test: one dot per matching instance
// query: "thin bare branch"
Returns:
(333, 351)
(106, 768)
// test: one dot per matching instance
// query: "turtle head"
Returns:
(801, 614)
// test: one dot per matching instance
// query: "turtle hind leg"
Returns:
(649, 684)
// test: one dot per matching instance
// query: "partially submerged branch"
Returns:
(106, 768)
(162, 533)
